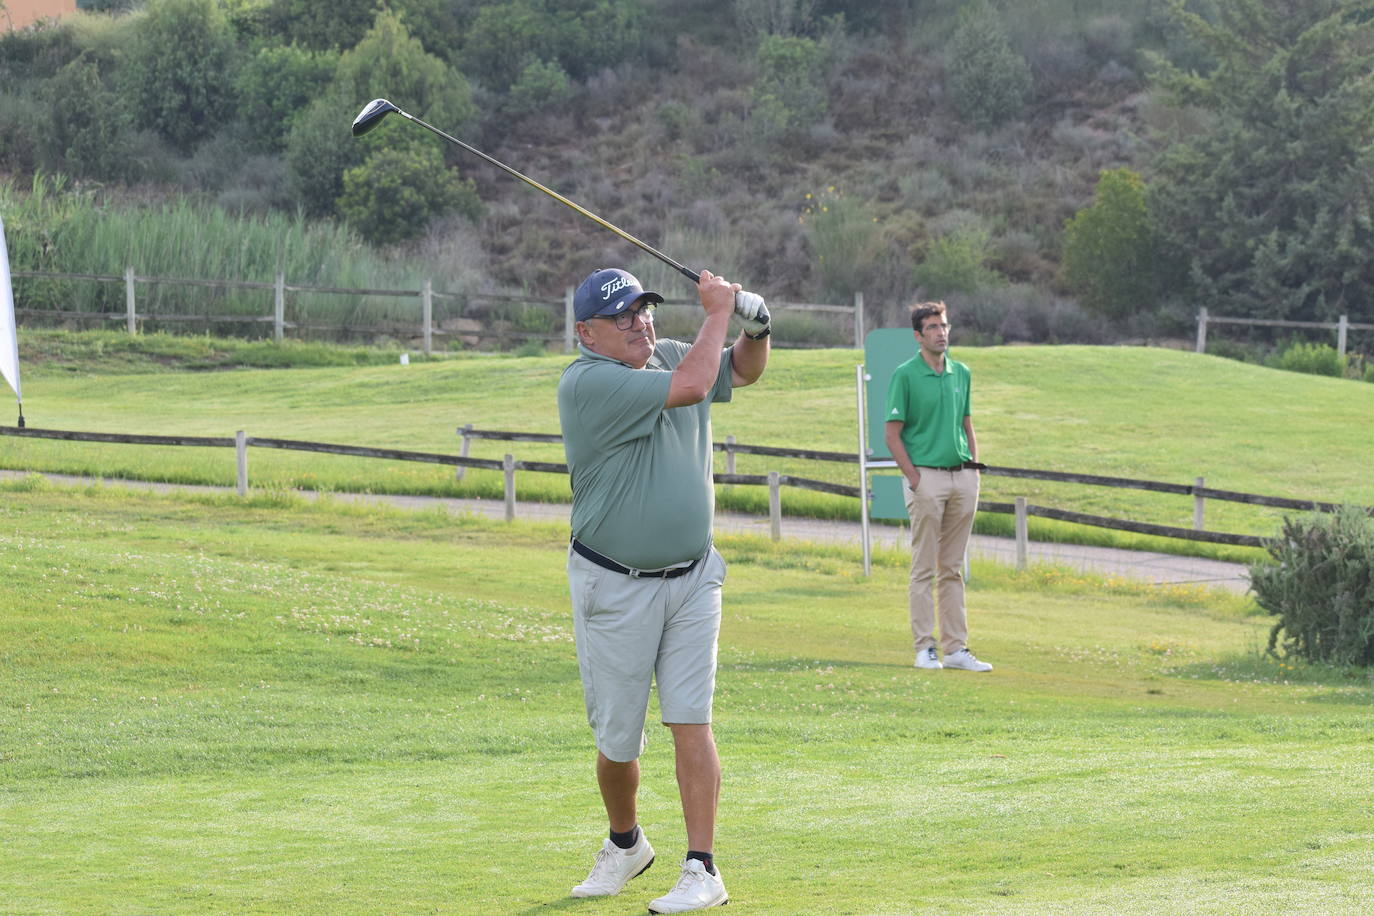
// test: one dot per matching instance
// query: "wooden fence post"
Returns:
(241, 456)
(569, 320)
(775, 505)
(858, 321)
(729, 454)
(463, 451)
(427, 314)
(129, 298)
(1342, 329)
(1198, 503)
(278, 306)
(508, 465)
(1022, 534)
(1202, 330)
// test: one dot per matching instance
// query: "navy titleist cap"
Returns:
(609, 291)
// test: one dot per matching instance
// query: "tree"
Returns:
(178, 70)
(1270, 208)
(580, 36)
(395, 193)
(84, 132)
(790, 93)
(387, 62)
(1112, 249)
(989, 81)
(276, 87)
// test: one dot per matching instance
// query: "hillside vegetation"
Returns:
(811, 148)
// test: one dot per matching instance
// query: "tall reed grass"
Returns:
(54, 227)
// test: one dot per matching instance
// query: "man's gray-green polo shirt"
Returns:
(641, 476)
(932, 406)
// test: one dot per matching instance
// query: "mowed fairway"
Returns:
(211, 705)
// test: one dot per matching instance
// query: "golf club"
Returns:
(374, 111)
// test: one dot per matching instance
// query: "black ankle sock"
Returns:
(625, 840)
(707, 859)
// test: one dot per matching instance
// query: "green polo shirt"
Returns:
(932, 406)
(643, 492)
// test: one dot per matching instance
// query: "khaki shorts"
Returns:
(632, 631)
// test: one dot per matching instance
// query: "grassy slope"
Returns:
(1148, 413)
(223, 707)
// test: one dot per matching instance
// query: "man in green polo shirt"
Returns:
(930, 435)
(644, 578)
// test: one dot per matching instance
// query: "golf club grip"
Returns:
(694, 276)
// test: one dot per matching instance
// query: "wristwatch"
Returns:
(767, 329)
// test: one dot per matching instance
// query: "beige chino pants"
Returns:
(941, 510)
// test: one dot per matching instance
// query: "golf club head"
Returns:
(372, 115)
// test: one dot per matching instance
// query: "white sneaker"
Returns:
(965, 660)
(697, 889)
(928, 658)
(614, 867)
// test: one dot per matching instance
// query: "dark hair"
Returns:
(921, 311)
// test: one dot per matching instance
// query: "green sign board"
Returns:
(884, 350)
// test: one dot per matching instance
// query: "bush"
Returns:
(846, 239)
(393, 196)
(275, 88)
(1321, 586)
(1313, 359)
(1112, 249)
(790, 93)
(957, 263)
(540, 85)
(85, 131)
(177, 68)
(989, 81)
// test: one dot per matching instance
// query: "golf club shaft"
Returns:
(687, 272)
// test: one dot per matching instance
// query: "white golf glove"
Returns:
(753, 314)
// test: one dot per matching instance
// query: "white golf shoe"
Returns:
(966, 661)
(928, 658)
(614, 867)
(697, 889)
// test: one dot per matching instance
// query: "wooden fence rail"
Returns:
(773, 480)
(425, 328)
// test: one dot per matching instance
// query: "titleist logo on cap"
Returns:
(612, 286)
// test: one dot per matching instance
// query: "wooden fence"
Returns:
(1343, 327)
(1198, 490)
(773, 480)
(423, 328)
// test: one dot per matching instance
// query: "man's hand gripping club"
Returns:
(753, 314)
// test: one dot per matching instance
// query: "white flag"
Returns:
(9, 340)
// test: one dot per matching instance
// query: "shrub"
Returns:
(275, 88)
(957, 263)
(989, 81)
(1112, 249)
(85, 131)
(540, 85)
(176, 70)
(846, 239)
(1313, 359)
(393, 196)
(790, 93)
(1321, 587)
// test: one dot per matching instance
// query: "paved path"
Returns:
(1160, 568)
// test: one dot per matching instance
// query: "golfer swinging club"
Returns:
(644, 578)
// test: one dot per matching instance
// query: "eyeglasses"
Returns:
(626, 320)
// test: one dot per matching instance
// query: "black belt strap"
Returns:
(607, 563)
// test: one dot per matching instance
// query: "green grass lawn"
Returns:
(267, 706)
(1118, 411)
